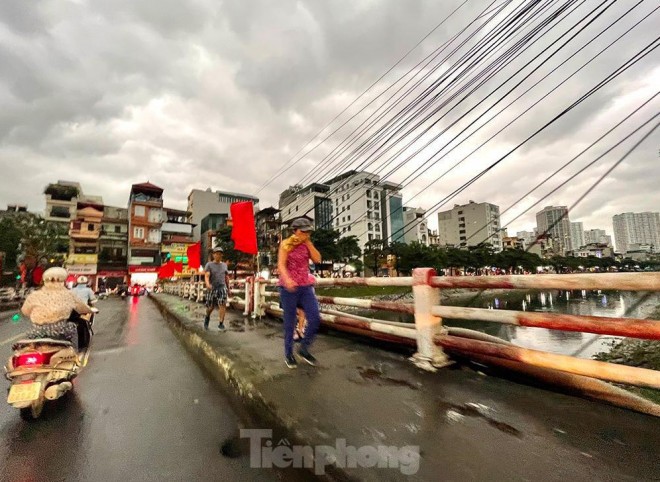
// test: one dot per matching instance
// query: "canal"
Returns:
(583, 345)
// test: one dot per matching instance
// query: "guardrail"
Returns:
(431, 339)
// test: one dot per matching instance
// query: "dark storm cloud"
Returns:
(200, 93)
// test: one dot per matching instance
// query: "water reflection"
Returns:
(584, 302)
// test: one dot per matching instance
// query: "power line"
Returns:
(625, 66)
(360, 96)
(541, 63)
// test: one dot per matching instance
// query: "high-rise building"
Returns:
(145, 219)
(310, 201)
(416, 227)
(636, 228)
(470, 225)
(597, 236)
(528, 237)
(202, 203)
(554, 220)
(355, 203)
(577, 235)
(367, 208)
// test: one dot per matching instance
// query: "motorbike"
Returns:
(44, 369)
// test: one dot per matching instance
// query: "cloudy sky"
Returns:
(207, 93)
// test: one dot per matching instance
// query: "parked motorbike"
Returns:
(44, 369)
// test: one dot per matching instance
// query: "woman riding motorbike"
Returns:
(50, 307)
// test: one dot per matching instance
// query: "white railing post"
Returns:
(248, 283)
(427, 326)
(259, 297)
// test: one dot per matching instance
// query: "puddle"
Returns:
(456, 413)
(378, 376)
(232, 448)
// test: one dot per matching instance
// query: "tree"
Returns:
(374, 251)
(41, 238)
(416, 255)
(10, 239)
(349, 249)
(326, 241)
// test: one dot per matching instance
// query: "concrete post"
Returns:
(427, 326)
(259, 297)
(248, 284)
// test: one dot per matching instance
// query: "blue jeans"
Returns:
(305, 297)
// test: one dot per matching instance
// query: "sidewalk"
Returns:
(469, 426)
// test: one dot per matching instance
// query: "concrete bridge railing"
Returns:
(432, 340)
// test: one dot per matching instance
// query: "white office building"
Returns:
(636, 228)
(597, 236)
(577, 235)
(203, 203)
(470, 225)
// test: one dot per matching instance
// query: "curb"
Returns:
(246, 398)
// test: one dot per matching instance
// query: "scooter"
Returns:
(44, 369)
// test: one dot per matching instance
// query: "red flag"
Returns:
(243, 230)
(194, 253)
(166, 270)
(177, 267)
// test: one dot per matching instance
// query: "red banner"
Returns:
(194, 253)
(243, 230)
(167, 270)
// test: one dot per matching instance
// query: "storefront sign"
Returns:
(143, 269)
(79, 269)
(112, 274)
(83, 259)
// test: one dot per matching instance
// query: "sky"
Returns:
(223, 94)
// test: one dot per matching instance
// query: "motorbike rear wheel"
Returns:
(32, 412)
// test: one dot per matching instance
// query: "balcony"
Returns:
(84, 234)
(143, 243)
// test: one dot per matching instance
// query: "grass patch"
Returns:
(636, 353)
(361, 291)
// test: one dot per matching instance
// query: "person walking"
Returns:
(296, 288)
(216, 279)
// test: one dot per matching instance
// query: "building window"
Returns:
(460, 212)
(117, 229)
(90, 227)
(376, 216)
(462, 231)
(348, 217)
(139, 211)
(368, 204)
(377, 205)
(368, 192)
(370, 227)
(349, 227)
(377, 227)
(343, 219)
(138, 233)
(371, 237)
(296, 208)
(377, 235)
(348, 208)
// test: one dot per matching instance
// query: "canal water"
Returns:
(583, 345)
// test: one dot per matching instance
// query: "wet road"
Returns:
(141, 410)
